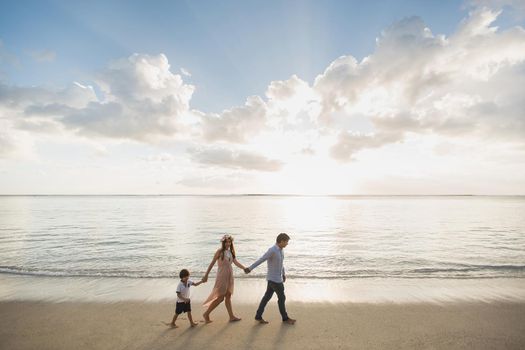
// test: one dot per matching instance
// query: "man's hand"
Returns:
(247, 270)
(284, 278)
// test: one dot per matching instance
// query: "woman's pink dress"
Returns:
(224, 280)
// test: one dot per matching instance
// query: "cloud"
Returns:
(35, 97)
(26, 111)
(467, 84)
(225, 158)
(14, 143)
(235, 125)
(159, 158)
(43, 55)
(350, 143)
(142, 100)
(7, 143)
(141, 78)
(233, 180)
(292, 103)
(515, 7)
(185, 72)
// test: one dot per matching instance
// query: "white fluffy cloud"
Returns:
(292, 104)
(289, 104)
(223, 157)
(141, 100)
(350, 143)
(467, 84)
(237, 124)
(45, 98)
(517, 6)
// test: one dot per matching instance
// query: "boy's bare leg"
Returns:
(172, 324)
(193, 324)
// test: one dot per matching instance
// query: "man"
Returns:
(275, 277)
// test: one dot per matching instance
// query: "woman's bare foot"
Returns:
(207, 318)
(193, 324)
(235, 319)
(290, 321)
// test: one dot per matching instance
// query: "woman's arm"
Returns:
(238, 264)
(215, 257)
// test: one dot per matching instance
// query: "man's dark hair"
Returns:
(282, 237)
(183, 273)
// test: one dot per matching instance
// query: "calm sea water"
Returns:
(332, 237)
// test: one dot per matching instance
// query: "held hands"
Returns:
(247, 270)
(204, 279)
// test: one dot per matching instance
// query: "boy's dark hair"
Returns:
(183, 273)
(282, 237)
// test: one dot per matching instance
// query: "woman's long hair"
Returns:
(223, 249)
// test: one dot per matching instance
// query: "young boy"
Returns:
(183, 297)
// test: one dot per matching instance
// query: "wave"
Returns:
(15, 270)
(471, 268)
(465, 271)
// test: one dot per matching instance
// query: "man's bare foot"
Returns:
(262, 321)
(173, 325)
(235, 319)
(206, 318)
(193, 324)
(290, 321)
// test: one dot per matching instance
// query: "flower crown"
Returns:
(225, 237)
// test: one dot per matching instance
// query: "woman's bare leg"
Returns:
(213, 305)
(228, 303)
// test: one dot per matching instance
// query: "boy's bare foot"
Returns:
(193, 324)
(173, 325)
(261, 321)
(290, 321)
(206, 318)
(235, 319)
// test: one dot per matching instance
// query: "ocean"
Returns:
(121, 247)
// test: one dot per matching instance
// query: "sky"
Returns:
(284, 97)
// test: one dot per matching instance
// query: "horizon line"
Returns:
(260, 195)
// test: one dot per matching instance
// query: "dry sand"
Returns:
(133, 325)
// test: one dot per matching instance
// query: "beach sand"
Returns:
(136, 325)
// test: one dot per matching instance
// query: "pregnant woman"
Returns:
(223, 288)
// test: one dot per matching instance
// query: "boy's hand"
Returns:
(284, 278)
(188, 301)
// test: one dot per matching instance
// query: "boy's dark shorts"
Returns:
(182, 307)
